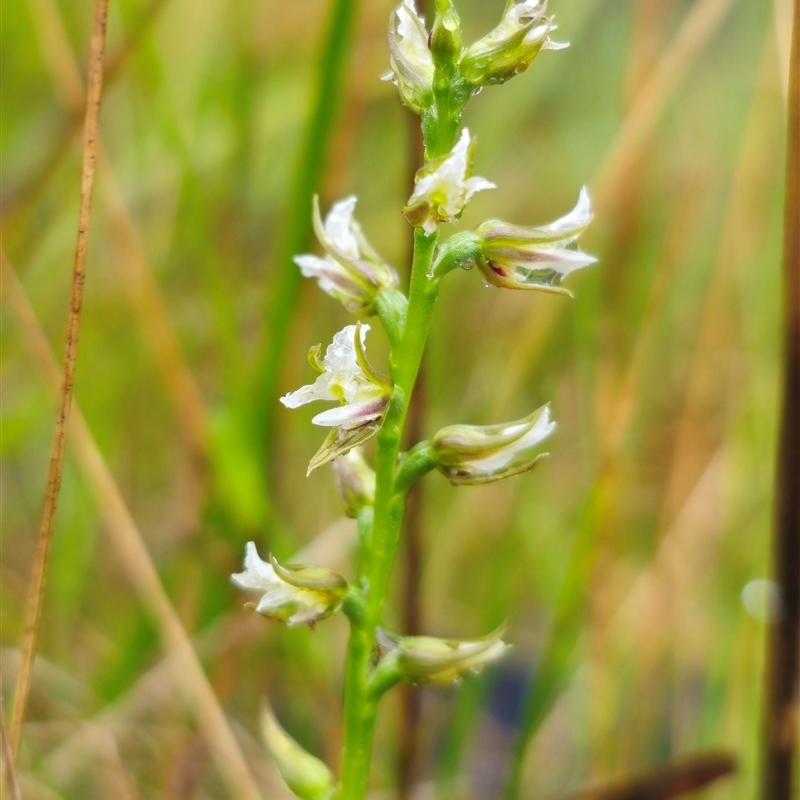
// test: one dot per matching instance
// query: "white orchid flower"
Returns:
(469, 454)
(296, 595)
(511, 47)
(351, 271)
(515, 257)
(427, 659)
(443, 187)
(347, 378)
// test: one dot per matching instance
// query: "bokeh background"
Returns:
(624, 565)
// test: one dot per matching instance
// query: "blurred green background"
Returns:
(620, 563)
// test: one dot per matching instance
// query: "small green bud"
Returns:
(514, 257)
(461, 250)
(511, 47)
(307, 776)
(426, 659)
(356, 481)
(446, 34)
(472, 454)
(409, 57)
(413, 465)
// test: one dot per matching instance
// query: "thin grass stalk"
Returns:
(134, 558)
(311, 161)
(39, 576)
(14, 203)
(135, 272)
(783, 681)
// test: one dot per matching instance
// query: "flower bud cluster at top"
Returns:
(435, 75)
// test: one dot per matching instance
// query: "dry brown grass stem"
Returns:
(614, 171)
(134, 558)
(674, 779)
(134, 270)
(783, 675)
(57, 44)
(700, 24)
(36, 590)
(8, 771)
(138, 279)
(747, 212)
(691, 515)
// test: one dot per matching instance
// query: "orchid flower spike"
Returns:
(346, 377)
(443, 187)
(514, 257)
(410, 58)
(351, 271)
(470, 454)
(294, 594)
(512, 46)
(426, 659)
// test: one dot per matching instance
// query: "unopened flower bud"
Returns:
(443, 187)
(351, 271)
(446, 34)
(511, 47)
(470, 454)
(409, 57)
(356, 481)
(514, 257)
(294, 594)
(426, 659)
(307, 776)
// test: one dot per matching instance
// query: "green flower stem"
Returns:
(360, 705)
(359, 716)
(440, 127)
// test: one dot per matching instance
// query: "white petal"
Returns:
(341, 371)
(258, 574)
(579, 217)
(338, 225)
(319, 390)
(352, 415)
(566, 261)
(340, 357)
(313, 266)
(475, 185)
(413, 44)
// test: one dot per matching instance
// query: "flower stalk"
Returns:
(435, 75)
